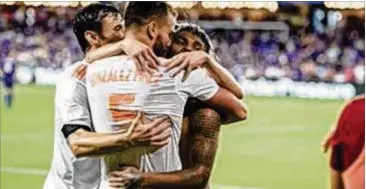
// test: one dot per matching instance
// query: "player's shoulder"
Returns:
(353, 105)
(71, 68)
(73, 73)
(356, 101)
(196, 76)
(198, 73)
(112, 59)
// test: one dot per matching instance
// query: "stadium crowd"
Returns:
(42, 37)
(310, 57)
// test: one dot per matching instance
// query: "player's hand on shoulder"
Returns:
(187, 61)
(124, 177)
(155, 133)
(144, 57)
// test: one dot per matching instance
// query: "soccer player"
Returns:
(346, 140)
(187, 38)
(201, 125)
(119, 92)
(94, 26)
(7, 72)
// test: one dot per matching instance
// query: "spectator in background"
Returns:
(42, 37)
(7, 70)
(346, 140)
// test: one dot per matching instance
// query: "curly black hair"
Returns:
(198, 31)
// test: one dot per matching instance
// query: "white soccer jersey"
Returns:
(117, 93)
(71, 107)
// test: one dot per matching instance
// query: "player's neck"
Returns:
(136, 35)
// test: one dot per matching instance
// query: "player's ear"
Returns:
(152, 30)
(92, 38)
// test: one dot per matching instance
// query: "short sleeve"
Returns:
(199, 85)
(72, 101)
(348, 139)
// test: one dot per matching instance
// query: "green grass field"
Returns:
(277, 148)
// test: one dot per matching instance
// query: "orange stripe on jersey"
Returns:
(120, 99)
(79, 72)
(123, 115)
(116, 100)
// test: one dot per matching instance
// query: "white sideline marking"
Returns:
(24, 171)
(25, 136)
(222, 186)
(42, 172)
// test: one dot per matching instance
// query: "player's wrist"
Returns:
(123, 45)
(125, 142)
(140, 180)
(210, 61)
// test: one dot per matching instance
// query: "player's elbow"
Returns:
(239, 114)
(75, 151)
(203, 175)
(75, 148)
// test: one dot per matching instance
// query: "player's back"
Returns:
(117, 93)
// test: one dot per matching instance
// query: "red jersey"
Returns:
(349, 137)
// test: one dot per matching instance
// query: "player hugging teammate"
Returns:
(134, 123)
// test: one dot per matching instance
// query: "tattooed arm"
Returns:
(205, 127)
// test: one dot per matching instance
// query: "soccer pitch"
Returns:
(277, 148)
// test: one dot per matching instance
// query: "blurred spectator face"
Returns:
(333, 53)
(360, 44)
(359, 72)
(290, 46)
(186, 41)
(282, 59)
(265, 37)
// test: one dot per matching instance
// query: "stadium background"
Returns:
(297, 62)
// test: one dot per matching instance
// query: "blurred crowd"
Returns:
(308, 57)
(38, 36)
(43, 37)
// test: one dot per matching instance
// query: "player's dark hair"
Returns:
(198, 31)
(142, 12)
(90, 18)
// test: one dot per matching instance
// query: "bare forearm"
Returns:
(108, 50)
(224, 78)
(239, 113)
(230, 107)
(205, 126)
(85, 143)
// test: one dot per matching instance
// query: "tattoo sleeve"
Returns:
(204, 126)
